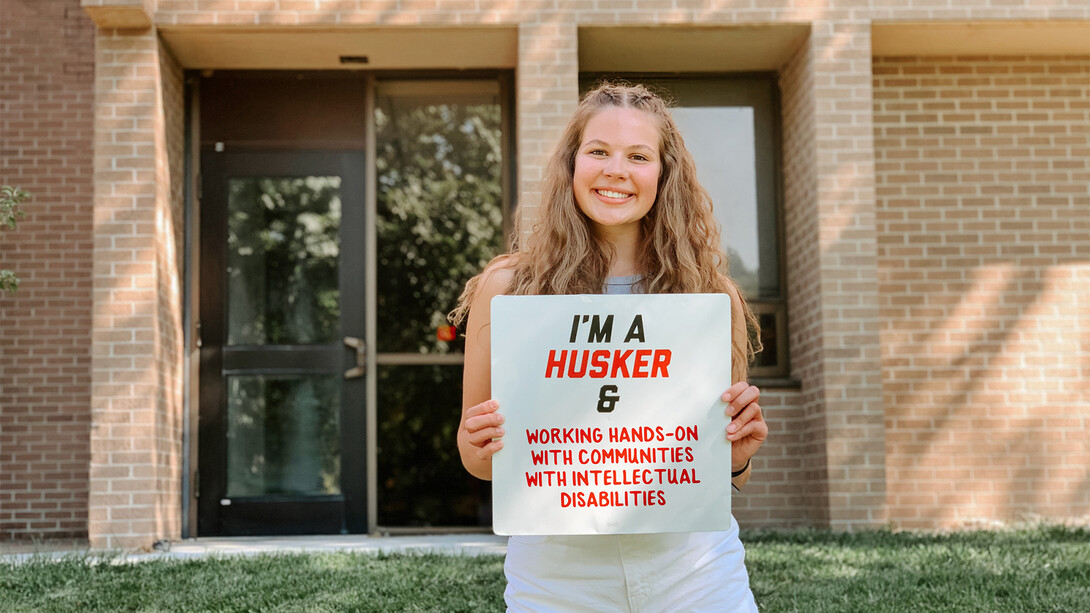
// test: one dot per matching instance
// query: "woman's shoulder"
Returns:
(497, 276)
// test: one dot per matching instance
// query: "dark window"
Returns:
(730, 124)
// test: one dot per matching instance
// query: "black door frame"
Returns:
(343, 513)
(201, 505)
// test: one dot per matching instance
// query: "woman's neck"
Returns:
(625, 243)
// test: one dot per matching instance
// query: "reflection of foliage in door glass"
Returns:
(283, 436)
(282, 260)
(421, 481)
(440, 215)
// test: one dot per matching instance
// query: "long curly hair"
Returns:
(680, 250)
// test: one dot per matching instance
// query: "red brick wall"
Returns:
(983, 174)
(46, 124)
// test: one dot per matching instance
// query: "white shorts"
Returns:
(685, 571)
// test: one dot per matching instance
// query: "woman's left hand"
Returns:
(747, 430)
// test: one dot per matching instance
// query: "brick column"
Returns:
(547, 91)
(850, 355)
(829, 218)
(136, 401)
(803, 252)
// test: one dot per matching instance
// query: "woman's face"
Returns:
(617, 168)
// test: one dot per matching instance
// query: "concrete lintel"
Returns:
(341, 47)
(943, 38)
(120, 14)
(689, 48)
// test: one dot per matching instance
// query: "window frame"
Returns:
(742, 89)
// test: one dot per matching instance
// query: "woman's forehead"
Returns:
(621, 126)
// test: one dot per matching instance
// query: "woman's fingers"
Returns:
(740, 395)
(747, 429)
(479, 438)
(483, 415)
(480, 422)
(488, 406)
(483, 424)
(743, 418)
(748, 422)
(734, 390)
(757, 429)
(491, 448)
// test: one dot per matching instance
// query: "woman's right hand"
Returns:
(484, 428)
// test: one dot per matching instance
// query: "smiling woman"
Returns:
(621, 198)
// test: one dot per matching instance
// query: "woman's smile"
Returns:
(610, 194)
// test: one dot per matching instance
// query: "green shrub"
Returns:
(10, 197)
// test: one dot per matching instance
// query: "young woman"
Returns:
(622, 212)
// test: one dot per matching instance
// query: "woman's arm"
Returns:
(480, 431)
(747, 430)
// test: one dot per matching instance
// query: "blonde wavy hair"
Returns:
(680, 250)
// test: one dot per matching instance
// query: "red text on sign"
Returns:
(600, 363)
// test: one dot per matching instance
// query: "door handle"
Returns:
(361, 357)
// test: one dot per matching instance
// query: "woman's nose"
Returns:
(615, 166)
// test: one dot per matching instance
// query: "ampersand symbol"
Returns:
(607, 398)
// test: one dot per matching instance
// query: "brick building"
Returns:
(917, 182)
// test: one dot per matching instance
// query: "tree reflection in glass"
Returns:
(283, 436)
(440, 215)
(439, 221)
(421, 481)
(282, 260)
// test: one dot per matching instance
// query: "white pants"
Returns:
(685, 571)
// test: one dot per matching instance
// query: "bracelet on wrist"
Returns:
(738, 473)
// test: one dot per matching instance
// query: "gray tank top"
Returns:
(622, 285)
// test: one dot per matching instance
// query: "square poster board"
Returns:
(613, 417)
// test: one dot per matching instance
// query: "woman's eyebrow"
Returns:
(602, 143)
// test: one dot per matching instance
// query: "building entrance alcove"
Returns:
(341, 214)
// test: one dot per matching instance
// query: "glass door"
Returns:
(341, 215)
(441, 160)
(282, 357)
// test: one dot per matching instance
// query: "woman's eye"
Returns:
(597, 152)
(639, 158)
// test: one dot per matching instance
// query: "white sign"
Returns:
(613, 417)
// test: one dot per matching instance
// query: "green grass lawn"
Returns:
(1040, 569)
(1044, 569)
